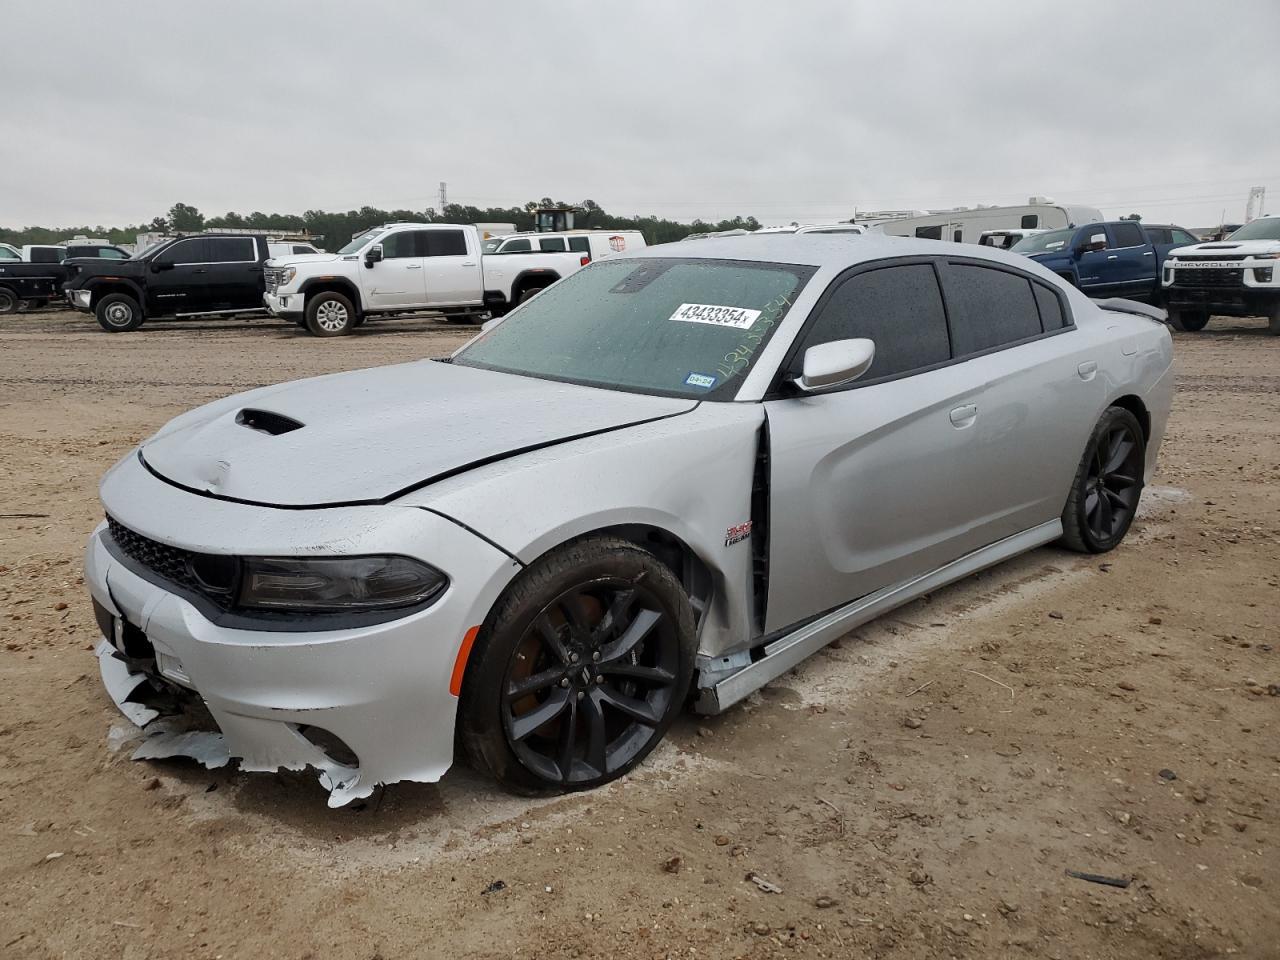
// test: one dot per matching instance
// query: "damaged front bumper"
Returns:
(380, 693)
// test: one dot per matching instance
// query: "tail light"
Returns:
(584, 260)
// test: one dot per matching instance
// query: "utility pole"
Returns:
(444, 195)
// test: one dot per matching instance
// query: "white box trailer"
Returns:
(968, 225)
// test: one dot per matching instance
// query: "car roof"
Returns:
(836, 251)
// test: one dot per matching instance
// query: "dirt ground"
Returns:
(916, 791)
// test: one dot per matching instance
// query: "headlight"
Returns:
(287, 274)
(1265, 256)
(336, 584)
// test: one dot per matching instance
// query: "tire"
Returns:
(1107, 486)
(532, 673)
(526, 295)
(1273, 321)
(330, 314)
(37, 304)
(118, 313)
(8, 301)
(1189, 320)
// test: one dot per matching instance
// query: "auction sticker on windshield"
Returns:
(737, 317)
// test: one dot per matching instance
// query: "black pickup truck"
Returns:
(40, 281)
(182, 277)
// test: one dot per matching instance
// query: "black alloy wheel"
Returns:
(580, 669)
(590, 682)
(1108, 485)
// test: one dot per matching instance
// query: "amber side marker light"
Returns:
(460, 665)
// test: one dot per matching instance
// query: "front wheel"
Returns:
(1273, 321)
(1189, 320)
(118, 313)
(580, 669)
(1107, 485)
(8, 301)
(330, 314)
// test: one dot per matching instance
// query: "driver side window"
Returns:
(185, 251)
(402, 245)
(900, 308)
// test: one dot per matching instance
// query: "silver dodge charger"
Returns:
(662, 482)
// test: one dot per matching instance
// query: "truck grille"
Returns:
(271, 275)
(1193, 277)
(175, 565)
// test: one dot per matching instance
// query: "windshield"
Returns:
(7, 254)
(1264, 228)
(1050, 242)
(491, 246)
(359, 241)
(683, 328)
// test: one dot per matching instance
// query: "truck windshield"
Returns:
(1264, 228)
(673, 327)
(357, 243)
(1050, 242)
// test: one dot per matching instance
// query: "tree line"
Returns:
(336, 229)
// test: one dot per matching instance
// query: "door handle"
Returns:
(1148, 254)
(468, 263)
(200, 270)
(964, 416)
(1113, 257)
(413, 266)
(1088, 370)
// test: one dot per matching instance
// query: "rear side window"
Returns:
(47, 255)
(516, 246)
(989, 308)
(900, 308)
(1181, 236)
(1128, 235)
(580, 244)
(929, 233)
(232, 250)
(1159, 234)
(304, 250)
(1051, 315)
(1030, 221)
(111, 253)
(446, 243)
(552, 244)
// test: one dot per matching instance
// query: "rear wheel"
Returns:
(1189, 320)
(118, 313)
(580, 669)
(8, 301)
(529, 294)
(1107, 486)
(1273, 322)
(330, 314)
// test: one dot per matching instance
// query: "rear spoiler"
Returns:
(1121, 305)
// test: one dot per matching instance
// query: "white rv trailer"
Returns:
(965, 225)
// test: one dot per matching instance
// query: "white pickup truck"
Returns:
(403, 268)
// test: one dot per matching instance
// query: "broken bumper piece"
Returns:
(362, 706)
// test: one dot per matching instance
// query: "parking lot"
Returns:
(918, 790)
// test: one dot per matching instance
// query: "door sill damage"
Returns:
(176, 723)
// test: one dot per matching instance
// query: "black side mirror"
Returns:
(374, 255)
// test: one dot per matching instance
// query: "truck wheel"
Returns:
(529, 294)
(1189, 320)
(330, 314)
(8, 302)
(1273, 322)
(118, 313)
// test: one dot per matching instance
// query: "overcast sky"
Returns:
(786, 110)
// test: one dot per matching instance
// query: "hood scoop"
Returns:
(264, 421)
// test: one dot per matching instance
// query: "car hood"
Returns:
(297, 259)
(371, 435)
(1228, 248)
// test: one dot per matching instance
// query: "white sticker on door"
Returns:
(737, 317)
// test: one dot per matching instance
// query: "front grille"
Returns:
(271, 275)
(1216, 257)
(173, 564)
(1207, 277)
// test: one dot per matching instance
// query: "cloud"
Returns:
(796, 110)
